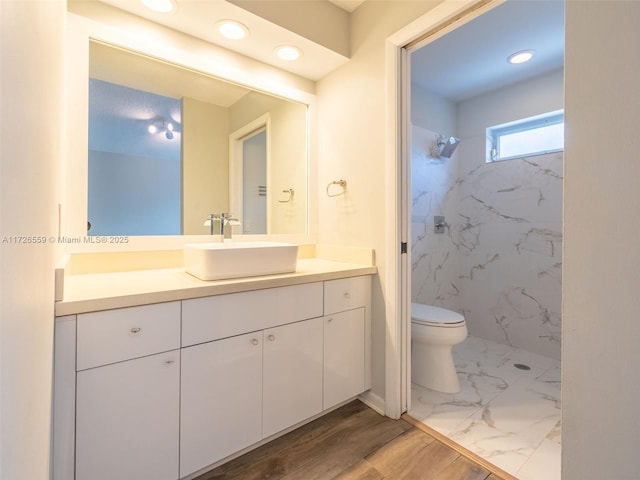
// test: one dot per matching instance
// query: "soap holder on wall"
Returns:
(340, 189)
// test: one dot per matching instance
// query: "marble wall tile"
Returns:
(499, 262)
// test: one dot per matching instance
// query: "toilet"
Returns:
(434, 331)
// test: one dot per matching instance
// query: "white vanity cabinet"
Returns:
(292, 375)
(344, 356)
(238, 387)
(165, 391)
(127, 419)
(128, 393)
(346, 339)
(221, 399)
(238, 390)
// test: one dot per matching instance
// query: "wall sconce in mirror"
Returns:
(443, 146)
(162, 126)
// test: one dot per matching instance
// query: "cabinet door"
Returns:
(221, 406)
(344, 356)
(292, 374)
(127, 419)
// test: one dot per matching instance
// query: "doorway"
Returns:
(254, 183)
(249, 175)
(403, 50)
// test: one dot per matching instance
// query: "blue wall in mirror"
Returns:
(135, 184)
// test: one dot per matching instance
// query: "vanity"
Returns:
(161, 375)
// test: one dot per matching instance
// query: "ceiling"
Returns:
(198, 18)
(471, 60)
(348, 5)
(119, 117)
(128, 91)
(140, 72)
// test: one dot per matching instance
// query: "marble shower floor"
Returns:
(508, 416)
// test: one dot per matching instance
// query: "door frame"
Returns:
(236, 161)
(439, 21)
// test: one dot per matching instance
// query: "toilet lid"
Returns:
(428, 314)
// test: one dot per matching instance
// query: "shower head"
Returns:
(446, 145)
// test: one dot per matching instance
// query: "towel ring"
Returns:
(290, 191)
(341, 183)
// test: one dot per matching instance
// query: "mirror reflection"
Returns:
(169, 146)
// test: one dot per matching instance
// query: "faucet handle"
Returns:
(228, 217)
(209, 221)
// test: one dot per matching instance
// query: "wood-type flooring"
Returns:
(356, 443)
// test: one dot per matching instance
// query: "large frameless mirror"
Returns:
(169, 146)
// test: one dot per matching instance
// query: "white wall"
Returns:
(351, 146)
(433, 112)
(134, 195)
(30, 119)
(205, 163)
(540, 94)
(288, 166)
(601, 331)
(288, 169)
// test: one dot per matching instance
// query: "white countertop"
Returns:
(105, 291)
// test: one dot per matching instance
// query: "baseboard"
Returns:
(373, 401)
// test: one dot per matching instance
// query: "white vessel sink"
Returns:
(218, 261)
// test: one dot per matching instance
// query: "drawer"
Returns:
(346, 294)
(212, 318)
(116, 335)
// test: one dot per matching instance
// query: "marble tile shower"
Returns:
(499, 261)
(510, 417)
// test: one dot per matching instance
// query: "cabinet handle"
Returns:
(347, 295)
(135, 330)
(169, 362)
(271, 338)
(329, 320)
(254, 341)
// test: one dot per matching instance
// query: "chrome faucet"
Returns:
(210, 219)
(226, 224)
(226, 220)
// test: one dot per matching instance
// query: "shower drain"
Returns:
(522, 366)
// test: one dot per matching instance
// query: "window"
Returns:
(530, 136)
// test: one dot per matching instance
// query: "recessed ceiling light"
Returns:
(520, 57)
(288, 52)
(162, 6)
(232, 29)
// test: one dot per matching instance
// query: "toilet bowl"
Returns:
(434, 331)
